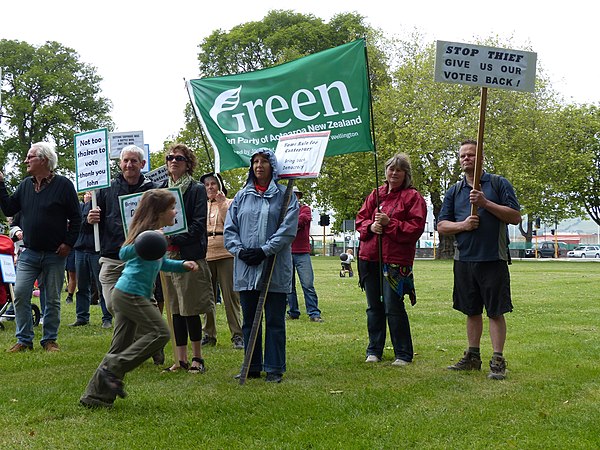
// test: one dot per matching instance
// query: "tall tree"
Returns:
(47, 94)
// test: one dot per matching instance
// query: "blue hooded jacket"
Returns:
(252, 222)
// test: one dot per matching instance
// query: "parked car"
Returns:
(585, 251)
(545, 249)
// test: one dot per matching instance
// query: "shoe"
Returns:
(183, 365)
(251, 374)
(106, 324)
(159, 357)
(372, 358)
(18, 347)
(469, 361)
(6, 319)
(238, 343)
(114, 384)
(51, 346)
(288, 317)
(90, 402)
(316, 319)
(497, 368)
(209, 341)
(78, 323)
(400, 362)
(69, 299)
(197, 369)
(273, 377)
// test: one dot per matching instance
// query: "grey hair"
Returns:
(133, 149)
(46, 151)
(401, 161)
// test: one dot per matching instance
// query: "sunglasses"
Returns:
(177, 158)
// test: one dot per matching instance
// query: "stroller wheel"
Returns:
(35, 315)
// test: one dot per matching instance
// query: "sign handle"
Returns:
(96, 227)
(479, 151)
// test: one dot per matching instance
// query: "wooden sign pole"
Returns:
(479, 151)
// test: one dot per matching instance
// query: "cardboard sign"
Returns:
(301, 155)
(490, 67)
(129, 203)
(7, 265)
(120, 140)
(158, 175)
(92, 168)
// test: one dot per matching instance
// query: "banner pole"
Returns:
(96, 226)
(199, 128)
(379, 244)
(479, 151)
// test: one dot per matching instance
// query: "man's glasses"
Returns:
(177, 158)
(28, 157)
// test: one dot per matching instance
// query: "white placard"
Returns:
(158, 175)
(129, 203)
(7, 264)
(301, 155)
(92, 168)
(119, 140)
(490, 67)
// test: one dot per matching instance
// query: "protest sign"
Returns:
(92, 169)
(301, 155)
(119, 140)
(477, 65)
(129, 203)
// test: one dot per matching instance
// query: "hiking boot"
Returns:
(497, 368)
(238, 342)
(51, 346)
(18, 347)
(209, 341)
(469, 361)
(114, 384)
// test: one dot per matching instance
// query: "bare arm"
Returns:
(504, 213)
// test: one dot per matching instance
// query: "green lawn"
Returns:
(329, 397)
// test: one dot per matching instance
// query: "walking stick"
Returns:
(265, 282)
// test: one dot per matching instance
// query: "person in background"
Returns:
(71, 276)
(392, 218)
(303, 267)
(481, 276)
(253, 232)
(188, 294)
(135, 312)
(347, 258)
(50, 220)
(87, 268)
(220, 262)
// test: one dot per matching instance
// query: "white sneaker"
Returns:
(400, 362)
(372, 358)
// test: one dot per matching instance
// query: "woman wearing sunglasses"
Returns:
(189, 294)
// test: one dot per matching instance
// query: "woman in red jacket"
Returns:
(394, 214)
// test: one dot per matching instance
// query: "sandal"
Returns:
(182, 366)
(197, 369)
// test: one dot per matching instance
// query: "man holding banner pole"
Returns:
(481, 277)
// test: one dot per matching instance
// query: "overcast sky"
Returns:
(143, 50)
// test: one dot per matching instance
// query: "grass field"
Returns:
(329, 397)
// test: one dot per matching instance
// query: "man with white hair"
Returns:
(50, 219)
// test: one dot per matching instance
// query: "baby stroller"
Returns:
(7, 247)
(346, 265)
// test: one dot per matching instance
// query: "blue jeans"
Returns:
(392, 310)
(303, 266)
(49, 269)
(274, 359)
(87, 267)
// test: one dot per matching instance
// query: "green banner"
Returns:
(324, 91)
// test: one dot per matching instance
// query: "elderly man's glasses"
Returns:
(177, 158)
(28, 157)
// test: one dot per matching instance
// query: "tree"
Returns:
(47, 94)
